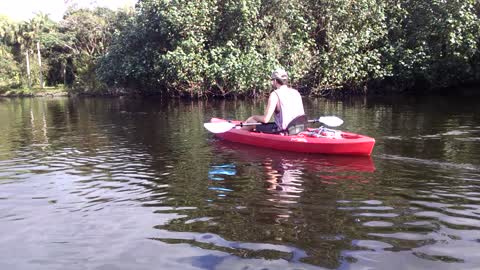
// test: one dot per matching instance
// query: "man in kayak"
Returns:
(284, 103)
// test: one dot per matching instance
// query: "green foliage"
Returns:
(254, 38)
(85, 36)
(69, 49)
(431, 43)
(349, 40)
(228, 47)
(211, 47)
(131, 58)
(9, 71)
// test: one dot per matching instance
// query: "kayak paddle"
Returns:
(222, 127)
(331, 121)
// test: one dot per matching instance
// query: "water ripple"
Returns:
(432, 163)
(143, 184)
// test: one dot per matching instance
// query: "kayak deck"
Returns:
(341, 143)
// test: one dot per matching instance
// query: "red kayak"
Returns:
(319, 141)
(295, 160)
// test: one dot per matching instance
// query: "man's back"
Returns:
(291, 106)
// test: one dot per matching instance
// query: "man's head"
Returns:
(280, 76)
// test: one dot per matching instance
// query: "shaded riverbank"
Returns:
(34, 92)
(466, 90)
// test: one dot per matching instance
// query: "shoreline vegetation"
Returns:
(35, 92)
(463, 90)
(227, 49)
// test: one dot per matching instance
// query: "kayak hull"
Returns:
(346, 144)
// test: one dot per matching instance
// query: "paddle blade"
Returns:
(331, 121)
(219, 127)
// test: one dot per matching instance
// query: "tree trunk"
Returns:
(40, 64)
(28, 70)
(64, 66)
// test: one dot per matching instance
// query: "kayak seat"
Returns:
(297, 125)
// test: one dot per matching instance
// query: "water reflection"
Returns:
(253, 197)
(219, 173)
(269, 197)
(285, 175)
(142, 182)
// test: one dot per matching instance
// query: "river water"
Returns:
(128, 183)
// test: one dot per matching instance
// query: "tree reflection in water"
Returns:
(282, 173)
(282, 205)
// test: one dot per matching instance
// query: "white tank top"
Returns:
(291, 106)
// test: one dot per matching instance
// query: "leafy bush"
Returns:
(229, 47)
(9, 71)
(198, 48)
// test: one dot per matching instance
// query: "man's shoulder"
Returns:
(282, 88)
(273, 94)
(287, 89)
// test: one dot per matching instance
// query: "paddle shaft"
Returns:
(220, 127)
(249, 124)
(242, 124)
(258, 123)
